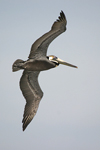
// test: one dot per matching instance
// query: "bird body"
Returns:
(38, 61)
(40, 64)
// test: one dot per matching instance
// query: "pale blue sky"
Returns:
(68, 117)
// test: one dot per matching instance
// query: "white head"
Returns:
(59, 61)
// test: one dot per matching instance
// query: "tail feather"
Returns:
(17, 65)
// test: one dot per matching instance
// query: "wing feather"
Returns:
(32, 93)
(40, 46)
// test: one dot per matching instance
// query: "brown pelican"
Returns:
(38, 61)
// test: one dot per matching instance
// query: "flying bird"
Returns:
(38, 61)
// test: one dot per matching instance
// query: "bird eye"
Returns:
(55, 58)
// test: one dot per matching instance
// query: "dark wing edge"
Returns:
(32, 93)
(60, 23)
(39, 47)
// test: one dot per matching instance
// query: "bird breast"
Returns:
(38, 65)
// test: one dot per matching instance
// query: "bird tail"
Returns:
(17, 65)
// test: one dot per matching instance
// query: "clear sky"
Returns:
(68, 117)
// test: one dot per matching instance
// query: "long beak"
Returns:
(65, 63)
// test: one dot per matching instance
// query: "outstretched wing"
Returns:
(39, 47)
(32, 93)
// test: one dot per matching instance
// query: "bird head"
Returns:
(58, 61)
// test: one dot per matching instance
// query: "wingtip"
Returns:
(23, 127)
(62, 17)
(62, 13)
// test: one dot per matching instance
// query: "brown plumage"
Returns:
(38, 61)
